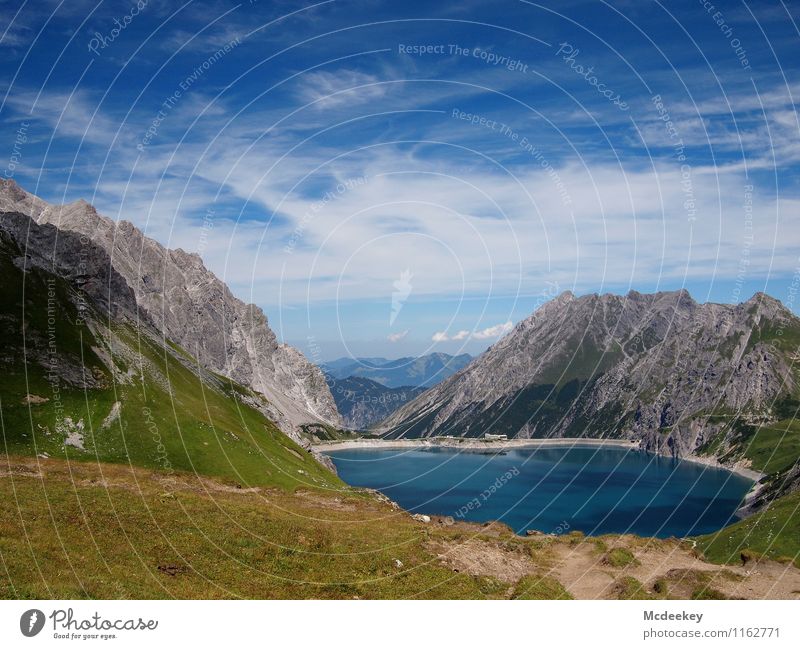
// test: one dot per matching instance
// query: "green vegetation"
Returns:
(161, 410)
(773, 533)
(85, 530)
(620, 557)
(772, 448)
(707, 592)
(109, 531)
(628, 587)
(161, 479)
(325, 433)
(661, 589)
(702, 584)
(786, 338)
(540, 587)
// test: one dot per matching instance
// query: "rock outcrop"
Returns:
(173, 292)
(659, 368)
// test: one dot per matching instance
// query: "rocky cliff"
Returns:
(682, 377)
(173, 292)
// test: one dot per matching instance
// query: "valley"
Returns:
(173, 447)
(93, 530)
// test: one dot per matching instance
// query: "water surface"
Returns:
(553, 489)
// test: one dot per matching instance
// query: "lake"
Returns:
(553, 489)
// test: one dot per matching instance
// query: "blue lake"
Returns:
(553, 489)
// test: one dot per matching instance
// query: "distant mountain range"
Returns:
(423, 371)
(363, 402)
(367, 390)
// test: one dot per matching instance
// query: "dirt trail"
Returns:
(584, 573)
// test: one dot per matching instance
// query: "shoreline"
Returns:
(470, 443)
(502, 445)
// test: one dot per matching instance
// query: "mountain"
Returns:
(684, 378)
(364, 402)
(172, 292)
(423, 371)
(84, 376)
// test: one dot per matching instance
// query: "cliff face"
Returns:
(658, 368)
(173, 292)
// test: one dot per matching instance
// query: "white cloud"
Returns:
(342, 87)
(489, 332)
(393, 338)
(494, 332)
(465, 229)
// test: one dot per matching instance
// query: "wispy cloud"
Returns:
(488, 333)
(327, 89)
(494, 332)
(397, 337)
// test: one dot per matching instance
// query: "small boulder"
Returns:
(34, 399)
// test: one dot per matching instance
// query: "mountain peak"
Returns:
(766, 305)
(199, 312)
(596, 365)
(762, 298)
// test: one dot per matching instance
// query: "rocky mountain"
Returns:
(172, 292)
(364, 402)
(684, 378)
(84, 376)
(423, 371)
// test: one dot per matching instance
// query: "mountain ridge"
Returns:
(682, 378)
(415, 371)
(191, 307)
(363, 402)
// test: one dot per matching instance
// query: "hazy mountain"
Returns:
(685, 378)
(423, 371)
(172, 292)
(363, 402)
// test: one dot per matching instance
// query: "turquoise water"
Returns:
(553, 489)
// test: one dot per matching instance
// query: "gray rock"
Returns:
(172, 291)
(652, 368)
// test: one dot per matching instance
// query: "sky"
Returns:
(396, 178)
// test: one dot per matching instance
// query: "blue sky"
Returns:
(389, 178)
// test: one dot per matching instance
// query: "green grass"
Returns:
(773, 533)
(774, 447)
(184, 423)
(628, 587)
(786, 337)
(83, 530)
(173, 415)
(706, 592)
(540, 587)
(326, 433)
(620, 557)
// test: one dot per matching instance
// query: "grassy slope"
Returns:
(774, 533)
(109, 531)
(773, 449)
(85, 530)
(203, 424)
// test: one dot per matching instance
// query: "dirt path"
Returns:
(585, 573)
